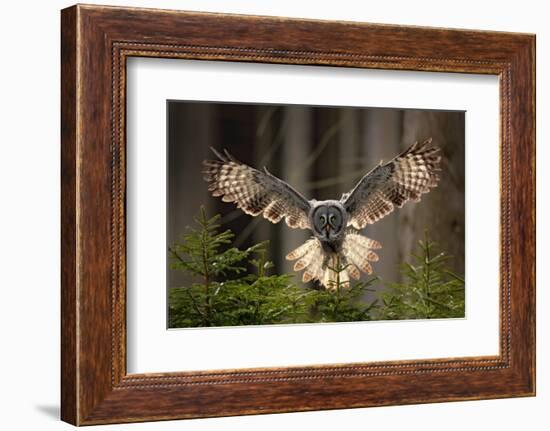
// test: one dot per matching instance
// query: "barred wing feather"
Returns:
(256, 192)
(391, 185)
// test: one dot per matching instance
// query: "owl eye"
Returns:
(323, 218)
(331, 218)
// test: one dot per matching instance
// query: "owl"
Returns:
(337, 251)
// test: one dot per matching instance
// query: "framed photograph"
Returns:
(265, 215)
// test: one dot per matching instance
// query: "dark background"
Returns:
(322, 152)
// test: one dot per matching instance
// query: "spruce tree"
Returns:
(231, 287)
(429, 290)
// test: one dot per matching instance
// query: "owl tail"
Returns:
(335, 270)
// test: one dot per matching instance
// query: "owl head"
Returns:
(328, 219)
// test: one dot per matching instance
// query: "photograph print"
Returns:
(294, 214)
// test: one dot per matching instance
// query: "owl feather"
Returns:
(390, 185)
(256, 192)
(355, 257)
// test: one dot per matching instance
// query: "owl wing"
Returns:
(404, 178)
(256, 192)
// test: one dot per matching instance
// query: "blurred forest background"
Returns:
(322, 152)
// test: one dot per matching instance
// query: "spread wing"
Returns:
(404, 178)
(256, 192)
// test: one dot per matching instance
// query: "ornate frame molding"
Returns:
(96, 41)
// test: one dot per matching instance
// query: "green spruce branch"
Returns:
(429, 290)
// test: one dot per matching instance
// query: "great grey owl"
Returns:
(336, 251)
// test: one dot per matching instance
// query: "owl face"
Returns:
(328, 220)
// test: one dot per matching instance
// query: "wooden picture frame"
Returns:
(95, 43)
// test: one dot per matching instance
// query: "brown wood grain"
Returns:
(96, 41)
(69, 371)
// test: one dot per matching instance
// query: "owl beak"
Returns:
(327, 229)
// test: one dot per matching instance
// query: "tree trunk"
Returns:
(441, 217)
